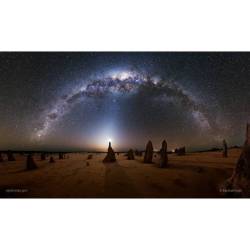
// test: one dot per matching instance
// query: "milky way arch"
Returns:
(123, 82)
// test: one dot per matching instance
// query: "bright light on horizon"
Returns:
(105, 135)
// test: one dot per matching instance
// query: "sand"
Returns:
(195, 175)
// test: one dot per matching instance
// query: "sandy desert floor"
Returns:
(193, 175)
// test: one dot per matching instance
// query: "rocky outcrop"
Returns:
(30, 163)
(164, 155)
(89, 157)
(51, 160)
(224, 151)
(180, 151)
(149, 153)
(130, 154)
(61, 156)
(110, 157)
(1, 158)
(238, 185)
(10, 156)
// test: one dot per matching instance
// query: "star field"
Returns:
(80, 100)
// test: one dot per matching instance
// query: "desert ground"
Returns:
(194, 175)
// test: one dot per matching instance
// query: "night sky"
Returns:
(79, 101)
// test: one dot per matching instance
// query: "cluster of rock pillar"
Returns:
(148, 157)
(10, 156)
(180, 151)
(30, 162)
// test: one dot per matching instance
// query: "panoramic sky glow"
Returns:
(83, 100)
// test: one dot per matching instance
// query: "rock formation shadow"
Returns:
(117, 183)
